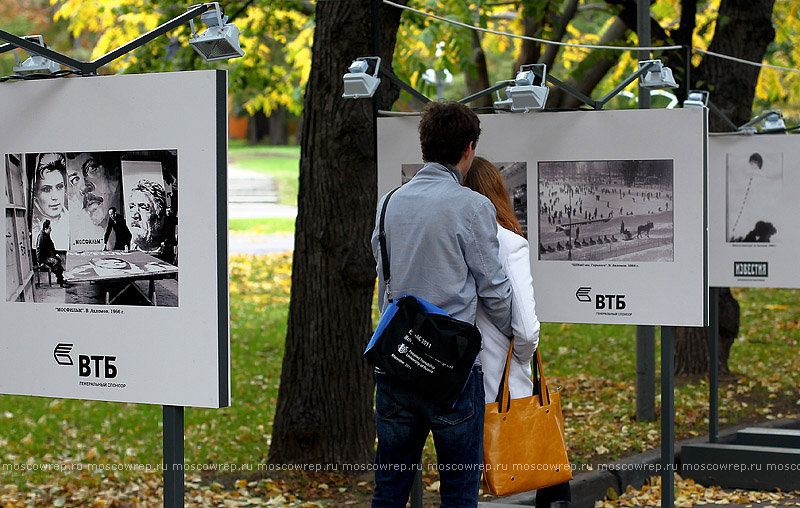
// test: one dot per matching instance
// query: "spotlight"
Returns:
(501, 103)
(774, 122)
(696, 99)
(35, 64)
(657, 77)
(525, 95)
(220, 41)
(357, 83)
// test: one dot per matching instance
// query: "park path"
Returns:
(253, 195)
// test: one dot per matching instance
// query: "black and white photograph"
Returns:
(87, 208)
(618, 210)
(17, 248)
(753, 233)
(407, 172)
(754, 211)
(611, 203)
(104, 273)
(515, 176)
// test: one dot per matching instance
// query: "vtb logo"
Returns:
(582, 294)
(615, 302)
(61, 354)
(99, 365)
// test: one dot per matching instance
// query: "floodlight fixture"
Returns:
(774, 122)
(696, 99)
(501, 103)
(358, 83)
(220, 41)
(530, 89)
(35, 64)
(657, 77)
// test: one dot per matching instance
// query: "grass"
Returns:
(280, 162)
(265, 226)
(594, 364)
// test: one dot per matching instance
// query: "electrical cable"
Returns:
(747, 62)
(588, 46)
(21, 77)
(525, 37)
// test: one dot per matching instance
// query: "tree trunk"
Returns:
(559, 31)
(744, 30)
(278, 127)
(592, 70)
(691, 344)
(324, 413)
(477, 75)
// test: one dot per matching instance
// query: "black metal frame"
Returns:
(90, 68)
(598, 105)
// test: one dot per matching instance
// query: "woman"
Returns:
(483, 177)
(49, 198)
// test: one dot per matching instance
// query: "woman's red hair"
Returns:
(483, 177)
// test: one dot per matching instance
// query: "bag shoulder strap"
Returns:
(387, 277)
(539, 383)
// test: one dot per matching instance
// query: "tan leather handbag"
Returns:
(524, 446)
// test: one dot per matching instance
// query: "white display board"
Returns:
(753, 226)
(168, 128)
(613, 203)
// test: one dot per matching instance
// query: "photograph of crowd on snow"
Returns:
(618, 210)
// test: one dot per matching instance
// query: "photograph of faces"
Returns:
(145, 202)
(515, 176)
(407, 172)
(100, 202)
(754, 182)
(606, 210)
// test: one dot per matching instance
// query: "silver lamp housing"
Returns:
(525, 95)
(35, 64)
(774, 122)
(696, 99)
(657, 77)
(358, 83)
(220, 41)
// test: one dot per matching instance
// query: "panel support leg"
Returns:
(173, 456)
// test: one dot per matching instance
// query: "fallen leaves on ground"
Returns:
(688, 493)
(301, 491)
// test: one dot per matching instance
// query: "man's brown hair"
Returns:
(445, 130)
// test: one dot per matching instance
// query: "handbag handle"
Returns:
(384, 252)
(503, 390)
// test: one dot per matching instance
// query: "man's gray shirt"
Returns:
(443, 248)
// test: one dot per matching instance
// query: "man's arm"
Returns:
(483, 259)
(376, 253)
(108, 230)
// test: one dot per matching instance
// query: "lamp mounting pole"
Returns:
(645, 334)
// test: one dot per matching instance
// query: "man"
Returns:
(46, 253)
(442, 243)
(93, 189)
(146, 206)
(122, 235)
(170, 237)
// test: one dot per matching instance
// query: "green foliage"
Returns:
(275, 35)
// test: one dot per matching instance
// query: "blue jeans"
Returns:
(403, 423)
